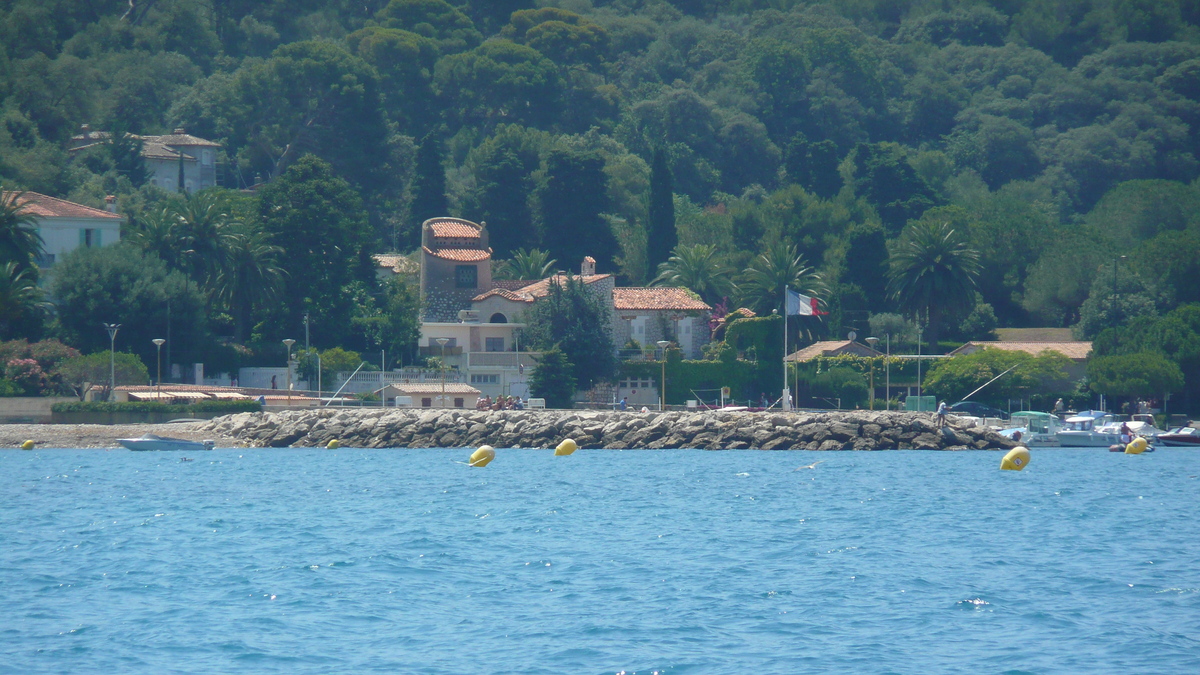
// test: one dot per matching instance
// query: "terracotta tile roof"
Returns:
(663, 297)
(453, 228)
(831, 348)
(397, 263)
(50, 207)
(511, 284)
(514, 296)
(541, 288)
(742, 312)
(1072, 350)
(405, 388)
(460, 254)
(181, 137)
(156, 150)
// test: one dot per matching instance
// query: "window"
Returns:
(90, 238)
(206, 157)
(498, 318)
(493, 344)
(426, 403)
(466, 276)
(458, 403)
(485, 379)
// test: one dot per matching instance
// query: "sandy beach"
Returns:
(101, 435)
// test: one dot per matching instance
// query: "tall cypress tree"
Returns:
(429, 186)
(661, 238)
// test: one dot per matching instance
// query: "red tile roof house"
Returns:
(462, 303)
(65, 226)
(1075, 350)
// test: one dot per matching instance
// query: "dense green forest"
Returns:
(1041, 139)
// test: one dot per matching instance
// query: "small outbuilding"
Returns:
(429, 395)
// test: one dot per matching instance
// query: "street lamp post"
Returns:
(919, 330)
(873, 341)
(288, 343)
(442, 343)
(112, 329)
(662, 399)
(887, 366)
(1112, 305)
(158, 342)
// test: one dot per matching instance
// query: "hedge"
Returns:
(156, 407)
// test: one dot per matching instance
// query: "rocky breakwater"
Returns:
(720, 430)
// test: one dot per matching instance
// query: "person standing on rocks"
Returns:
(941, 414)
(624, 404)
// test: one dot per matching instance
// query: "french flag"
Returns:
(802, 305)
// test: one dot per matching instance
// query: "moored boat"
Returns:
(155, 442)
(1089, 429)
(1180, 437)
(1036, 429)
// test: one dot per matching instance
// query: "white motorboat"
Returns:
(1036, 429)
(1090, 429)
(1139, 425)
(154, 442)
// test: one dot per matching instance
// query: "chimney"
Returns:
(85, 129)
(110, 204)
(588, 268)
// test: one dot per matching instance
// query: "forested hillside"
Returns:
(1052, 136)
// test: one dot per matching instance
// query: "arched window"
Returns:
(498, 318)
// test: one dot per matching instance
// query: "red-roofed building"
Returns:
(477, 317)
(647, 315)
(65, 226)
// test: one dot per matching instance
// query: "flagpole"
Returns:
(785, 404)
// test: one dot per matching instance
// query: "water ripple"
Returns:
(310, 561)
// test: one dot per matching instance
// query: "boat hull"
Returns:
(163, 444)
(1181, 441)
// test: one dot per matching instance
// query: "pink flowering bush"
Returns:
(28, 375)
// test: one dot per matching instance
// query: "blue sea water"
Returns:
(677, 561)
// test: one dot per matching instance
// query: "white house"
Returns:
(65, 226)
(164, 155)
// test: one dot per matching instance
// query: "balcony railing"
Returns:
(502, 359)
(437, 351)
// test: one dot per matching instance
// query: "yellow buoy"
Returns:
(1137, 447)
(482, 456)
(566, 447)
(333, 444)
(27, 445)
(1016, 459)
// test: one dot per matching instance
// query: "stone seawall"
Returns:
(721, 430)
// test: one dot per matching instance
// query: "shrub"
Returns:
(27, 375)
(227, 407)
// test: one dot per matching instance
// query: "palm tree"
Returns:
(19, 238)
(251, 275)
(697, 268)
(778, 268)
(203, 232)
(20, 296)
(156, 232)
(527, 265)
(933, 271)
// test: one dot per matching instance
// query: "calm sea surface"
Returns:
(404, 561)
